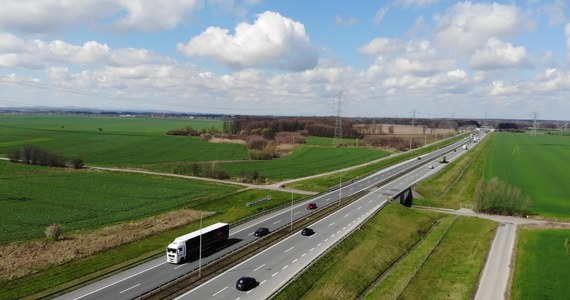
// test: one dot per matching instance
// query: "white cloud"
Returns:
(48, 15)
(555, 12)
(499, 55)
(380, 46)
(44, 16)
(380, 14)
(457, 73)
(39, 54)
(499, 88)
(142, 15)
(338, 20)
(271, 41)
(467, 26)
(416, 3)
(567, 32)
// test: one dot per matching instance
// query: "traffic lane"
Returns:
(275, 260)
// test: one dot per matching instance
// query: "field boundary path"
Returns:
(494, 280)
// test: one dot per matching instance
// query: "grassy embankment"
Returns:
(454, 185)
(322, 183)
(543, 264)
(444, 263)
(349, 268)
(452, 270)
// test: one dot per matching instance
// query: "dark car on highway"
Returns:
(261, 231)
(307, 231)
(312, 206)
(246, 283)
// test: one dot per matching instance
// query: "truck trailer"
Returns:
(187, 247)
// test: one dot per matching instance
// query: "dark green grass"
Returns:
(122, 141)
(305, 161)
(326, 141)
(34, 197)
(542, 264)
(538, 165)
(452, 270)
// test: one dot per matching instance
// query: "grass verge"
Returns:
(443, 190)
(542, 264)
(396, 280)
(350, 267)
(452, 270)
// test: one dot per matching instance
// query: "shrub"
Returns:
(15, 155)
(77, 163)
(54, 231)
(256, 142)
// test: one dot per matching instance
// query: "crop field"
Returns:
(306, 160)
(34, 197)
(121, 141)
(542, 264)
(538, 165)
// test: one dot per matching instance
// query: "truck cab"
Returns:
(176, 253)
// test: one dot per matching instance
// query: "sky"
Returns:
(398, 58)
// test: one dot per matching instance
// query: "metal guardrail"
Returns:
(254, 203)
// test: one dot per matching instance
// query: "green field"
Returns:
(538, 165)
(542, 264)
(34, 197)
(122, 141)
(326, 141)
(306, 160)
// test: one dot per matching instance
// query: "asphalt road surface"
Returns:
(143, 278)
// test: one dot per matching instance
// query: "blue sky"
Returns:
(470, 59)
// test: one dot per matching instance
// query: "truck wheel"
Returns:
(182, 259)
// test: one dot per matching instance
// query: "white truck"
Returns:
(187, 247)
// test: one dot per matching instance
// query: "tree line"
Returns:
(497, 197)
(35, 155)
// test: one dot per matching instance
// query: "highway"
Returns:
(275, 266)
(143, 278)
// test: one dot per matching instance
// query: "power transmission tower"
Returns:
(338, 121)
(534, 123)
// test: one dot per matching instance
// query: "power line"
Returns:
(338, 121)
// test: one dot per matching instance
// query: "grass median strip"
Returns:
(396, 280)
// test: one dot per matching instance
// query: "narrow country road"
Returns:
(494, 280)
